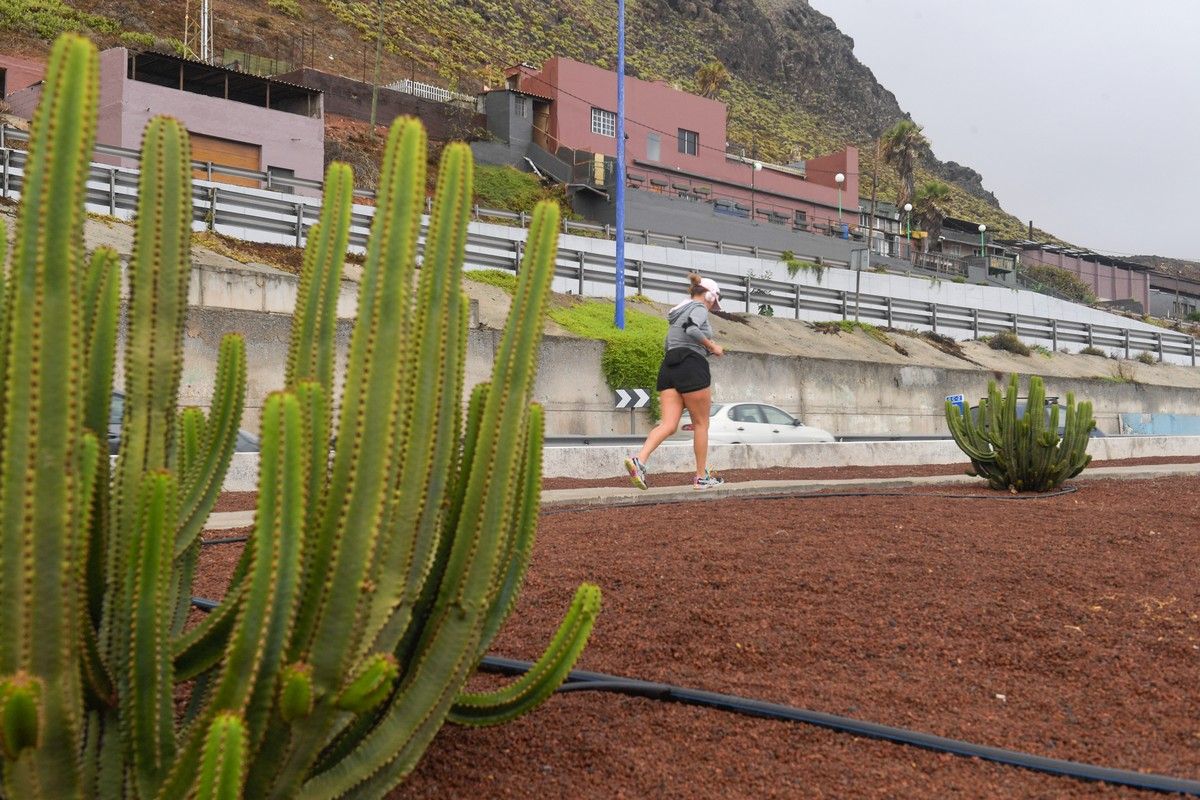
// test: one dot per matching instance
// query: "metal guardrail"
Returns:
(113, 190)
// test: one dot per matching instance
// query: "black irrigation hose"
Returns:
(579, 680)
(781, 496)
(582, 681)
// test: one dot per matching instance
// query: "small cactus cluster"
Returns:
(378, 571)
(1026, 453)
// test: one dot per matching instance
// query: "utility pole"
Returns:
(378, 58)
(619, 314)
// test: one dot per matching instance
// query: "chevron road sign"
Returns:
(632, 398)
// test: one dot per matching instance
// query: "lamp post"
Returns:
(756, 167)
(983, 242)
(908, 220)
(839, 179)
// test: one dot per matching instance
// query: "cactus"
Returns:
(1024, 454)
(376, 575)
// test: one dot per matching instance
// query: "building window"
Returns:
(604, 122)
(800, 218)
(689, 142)
(522, 106)
(653, 147)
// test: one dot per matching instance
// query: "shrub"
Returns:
(1025, 453)
(1008, 340)
(1146, 357)
(493, 277)
(289, 7)
(631, 356)
(376, 575)
(1093, 351)
(795, 265)
(1194, 316)
(1060, 280)
(507, 189)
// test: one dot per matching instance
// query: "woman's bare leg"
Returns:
(671, 404)
(699, 404)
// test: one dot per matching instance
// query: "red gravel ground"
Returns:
(1066, 626)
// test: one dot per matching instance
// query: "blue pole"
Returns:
(619, 318)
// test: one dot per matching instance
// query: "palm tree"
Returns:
(903, 144)
(929, 207)
(712, 78)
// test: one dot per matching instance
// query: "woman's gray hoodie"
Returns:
(689, 326)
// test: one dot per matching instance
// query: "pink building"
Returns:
(1112, 279)
(676, 145)
(17, 73)
(235, 119)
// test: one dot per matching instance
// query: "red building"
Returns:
(676, 145)
(17, 73)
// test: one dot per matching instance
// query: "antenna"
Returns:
(206, 32)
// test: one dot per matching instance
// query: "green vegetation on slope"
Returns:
(632, 356)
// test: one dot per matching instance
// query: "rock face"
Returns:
(789, 44)
(816, 62)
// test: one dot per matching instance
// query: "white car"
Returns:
(754, 423)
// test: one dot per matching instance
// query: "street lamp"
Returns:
(757, 167)
(908, 219)
(982, 240)
(839, 179)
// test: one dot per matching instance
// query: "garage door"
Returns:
(227, 153)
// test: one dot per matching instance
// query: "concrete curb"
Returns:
(613, 497)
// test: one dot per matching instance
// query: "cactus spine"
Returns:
(376, 575)
(1022, 453)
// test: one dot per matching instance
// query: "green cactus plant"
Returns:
(376, 575)
(1022, 453)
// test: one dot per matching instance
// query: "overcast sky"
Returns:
(1081, 115)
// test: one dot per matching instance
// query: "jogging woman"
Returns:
(684, 381)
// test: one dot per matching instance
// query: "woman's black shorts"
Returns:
(684, 371)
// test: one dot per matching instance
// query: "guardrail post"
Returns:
(746, 283)
(646, 236)
(843, 294)
(3, 131)
(1054, 335)
(299, 224)
(208, 165)
(1127, 344)
(641, 274)
(933, 316)
(521, 216)
(889, 311)
(582, 264)
(428, 206)
(1193, 351)
(683, 241)
(4, 186)
(796, 298)
(975, 322)
(518, 250)
(475, 213)
(720, 248)
(112, 191)
(1088, 326)
(754, 251)
(212, 208)
(1158, 338)
(1016, 321)
(608, 234)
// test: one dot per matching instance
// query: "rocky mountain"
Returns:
(796, 88)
